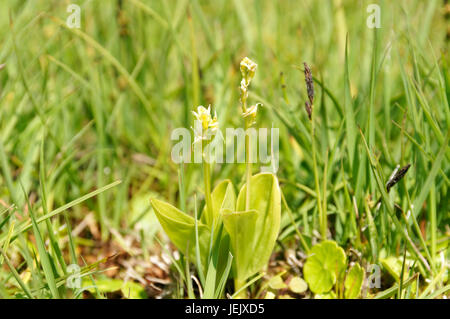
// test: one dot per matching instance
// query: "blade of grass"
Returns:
(291, 216)
(385, 294)
(8, 239)
(349, 114)
(248, 284)
(390, 206)
(16, 275)
(223, 279)
(425, 189)
(44, 256)
(27, 226)
(53, 240)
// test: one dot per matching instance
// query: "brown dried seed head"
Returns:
(308, 108)
(309, 83)
(397, 177)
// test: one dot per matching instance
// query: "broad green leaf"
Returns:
(328, 295)
(269, 295)
(210, 282)
(129, 289)
(298, 285)
(103, 285)
(241, 228)
(323, 266)
(133, 290)
(223, 197)
(180, 228)
(276, 283)
(253, 247)
(353, 282)
(394, 266)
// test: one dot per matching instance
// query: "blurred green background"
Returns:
(105, 98)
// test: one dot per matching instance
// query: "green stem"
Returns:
(249, 166)
(208, 198)
(433, 223)
(181, 187)
(322, 214)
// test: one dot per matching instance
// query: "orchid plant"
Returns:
(244, 226)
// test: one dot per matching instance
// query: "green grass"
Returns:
(86, 117)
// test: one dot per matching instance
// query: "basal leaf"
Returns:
(223, 197)
(241, 229)
(323, 266)
(129, 289)
(353, 282)
(298, 285)
(277, 283)
(394, 266)
(180, 228)
(328, 295)
(262, 229)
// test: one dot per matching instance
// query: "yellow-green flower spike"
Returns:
(209, 124)
(248, 69)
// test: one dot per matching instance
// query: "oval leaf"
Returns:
(353, 282)
(180, 228)
(241, 229)
(263, 230)
(223, 197)
(326, 261)
(298, 285)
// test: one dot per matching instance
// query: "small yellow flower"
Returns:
(244, 90)
(209, 125)
(251, 112)
(248, 69)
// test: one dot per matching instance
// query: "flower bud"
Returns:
(251, 113)
(208, 125)
(248, 69)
